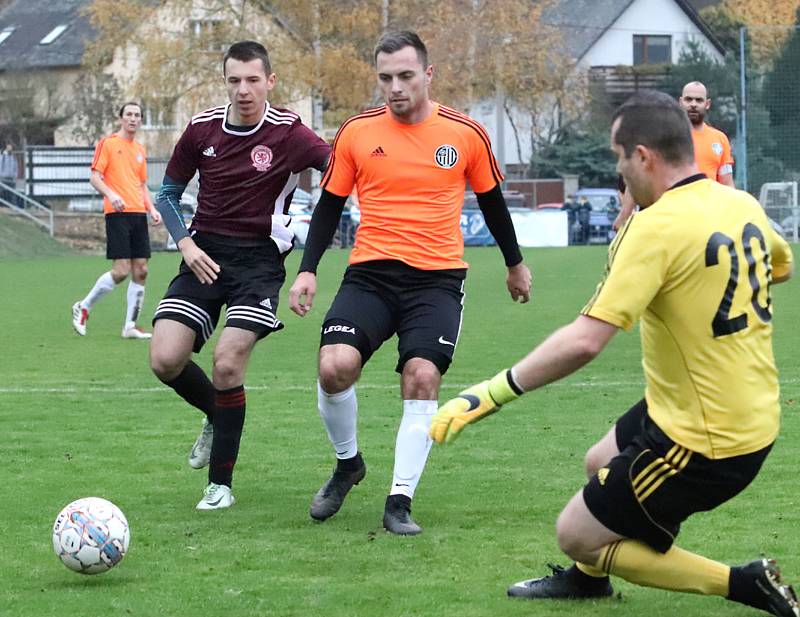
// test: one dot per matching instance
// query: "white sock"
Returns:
(135, 298)
(339, 413)
(412, 446)
(104, 285)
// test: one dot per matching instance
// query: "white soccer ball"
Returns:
(91, 535)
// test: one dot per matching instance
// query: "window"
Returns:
(54, 34)
(159, 115)
(652, 49)
(207, 34)
(5, 33)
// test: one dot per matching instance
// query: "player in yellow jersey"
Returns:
(694, 267)
(410, 161)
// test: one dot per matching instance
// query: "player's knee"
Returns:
(421, 379)
(120, 271)
(140, 273)
(593, 461)
(228, 369)
(569, 541)
(164, 365)
(337, 373)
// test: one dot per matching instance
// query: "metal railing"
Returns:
(20, 203)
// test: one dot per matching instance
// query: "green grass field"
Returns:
(84, 416)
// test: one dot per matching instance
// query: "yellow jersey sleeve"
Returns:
(636, 270)
(780, 253)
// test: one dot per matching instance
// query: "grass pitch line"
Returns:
(100, 389)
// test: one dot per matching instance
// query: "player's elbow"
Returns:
(589, 336)
(586, 348)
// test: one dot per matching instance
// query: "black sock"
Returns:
(228, 423)
(194, 386)
(350, 464)
(584, 580)
(741, 588)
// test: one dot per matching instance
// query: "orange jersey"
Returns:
(712, 152)
(410, 180)
(123, 165)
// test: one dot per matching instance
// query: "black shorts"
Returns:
(248, 283)
(127, 236)
(654, 484)
(380, 298)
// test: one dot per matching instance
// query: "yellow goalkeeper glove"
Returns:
(472, 405)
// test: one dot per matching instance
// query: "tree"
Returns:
(781, 100)
(168, 53)
(721, 81)
(33, 106)
(764, 18)
(586, 155)
(164, 54)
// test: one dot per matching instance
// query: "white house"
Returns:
(603, 36)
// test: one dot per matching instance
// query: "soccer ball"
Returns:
(91, 535)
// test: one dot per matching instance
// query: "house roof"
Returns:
(583, 22)
(32, 20)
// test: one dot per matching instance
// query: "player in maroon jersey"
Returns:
(248, 155)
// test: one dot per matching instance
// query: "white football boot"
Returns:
(201, 450)
(135, 332)
(215, 497)
(79, 317)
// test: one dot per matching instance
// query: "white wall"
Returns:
(615, 46)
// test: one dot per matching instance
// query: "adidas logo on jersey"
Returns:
(378, 152)
(209, 151)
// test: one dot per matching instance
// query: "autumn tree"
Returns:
(33, 106)
(168, 53)
(768, 22)
(781, 100)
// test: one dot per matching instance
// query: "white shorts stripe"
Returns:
(195, 313)
(270, 323)
(252, 310)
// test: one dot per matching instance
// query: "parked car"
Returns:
(605, 207)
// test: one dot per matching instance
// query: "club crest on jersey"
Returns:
(261, 157)
(717, 148)
(446, 156)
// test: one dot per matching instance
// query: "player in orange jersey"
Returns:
(119, 174)
(409, 162)
(712, 151)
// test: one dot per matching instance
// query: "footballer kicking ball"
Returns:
(91, 535)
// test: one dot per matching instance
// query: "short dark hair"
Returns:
(654, 119)
(245, 51)
(391, 42)
(124, 105)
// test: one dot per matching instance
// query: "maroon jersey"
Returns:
(247, 177)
